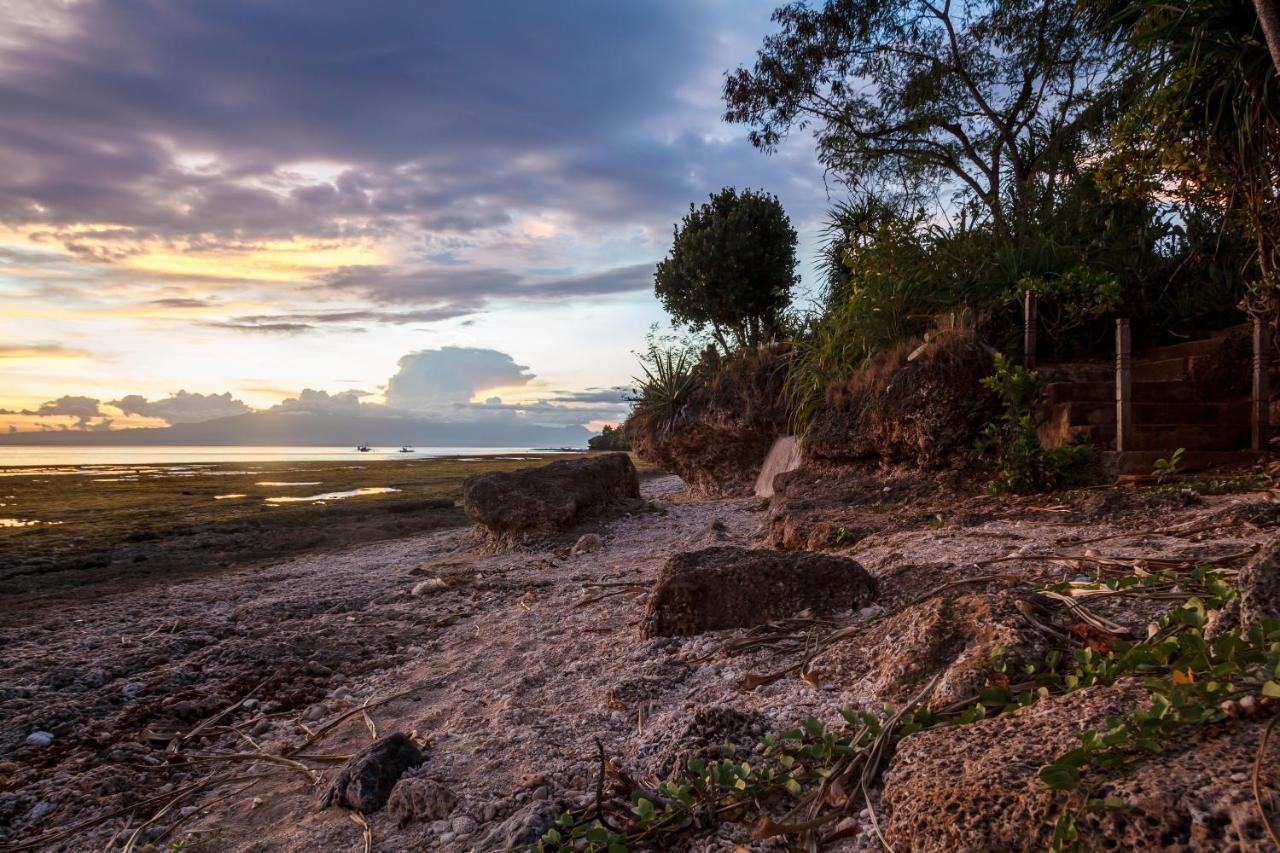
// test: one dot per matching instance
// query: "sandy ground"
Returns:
(509, 666)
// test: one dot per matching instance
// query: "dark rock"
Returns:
(951, 637)
(513, 506)
(365, 782)
(975, 786)
(726, 587)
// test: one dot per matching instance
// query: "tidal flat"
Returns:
(65, 528)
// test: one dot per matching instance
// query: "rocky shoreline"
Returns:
(218, 711)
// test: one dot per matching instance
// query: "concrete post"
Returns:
(1261, 414)
(1029, 330)
(1124, 386)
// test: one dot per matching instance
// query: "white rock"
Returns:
(39, 739)
(463, 825)
(586, 544)
(428, 586)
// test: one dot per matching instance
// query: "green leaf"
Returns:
(1059, 777)
(1272, 689)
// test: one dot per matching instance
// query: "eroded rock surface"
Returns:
(975, 787)
(419, 799)
(953, 637)
(365, 782)
(726, 587)
(705, 735)
(513, 506)
(1259, 584)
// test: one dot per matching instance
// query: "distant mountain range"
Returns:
(282, 429)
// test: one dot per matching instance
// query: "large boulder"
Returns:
(976, 786)
(951, 638)
(718, 588)
(721, 434)
(515, 506)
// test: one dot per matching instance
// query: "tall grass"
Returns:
(669, 379)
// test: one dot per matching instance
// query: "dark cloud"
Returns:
(181, 302)
(269, 328)
(83, 409)
(185, 121)
(183, 407)
(446, 378)
(40, 351)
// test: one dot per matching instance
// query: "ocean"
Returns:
(20, 455)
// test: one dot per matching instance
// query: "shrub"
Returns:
(1012, 448)
(610, 438)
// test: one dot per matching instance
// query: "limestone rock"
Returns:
(893, 660)
(516, 505)
(419, 799)
(975, 787)
(525, 826)
(726, 587)
(1259, 585)
(365, 782)
(704, 735)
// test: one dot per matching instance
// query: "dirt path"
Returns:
(508, 664)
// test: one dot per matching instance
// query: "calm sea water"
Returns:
(77, 456)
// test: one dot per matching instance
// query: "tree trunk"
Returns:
(1269, 17)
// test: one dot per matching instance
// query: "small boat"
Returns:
(406, 450)
(364, 448)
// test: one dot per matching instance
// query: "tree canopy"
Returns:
(990, 99)
(731, 268)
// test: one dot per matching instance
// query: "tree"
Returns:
(610, 438)
(731, 267)
(992, 99)
(1210, 120)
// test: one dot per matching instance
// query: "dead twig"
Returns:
(365, 832)
(1258, 759)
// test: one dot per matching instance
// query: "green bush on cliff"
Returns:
(1011, 447)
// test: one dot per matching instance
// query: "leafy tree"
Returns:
(731, 268)
(1210, 122)
(992, 99)
(610, 438)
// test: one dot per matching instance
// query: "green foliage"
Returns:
(668, 381)
(731, 268)
(1012, 448)
(1168, 467)
(610, 438)
(1193, 681)
(1068, 300)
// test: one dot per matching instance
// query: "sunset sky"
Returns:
(308, 204)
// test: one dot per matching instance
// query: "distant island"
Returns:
(318, 430)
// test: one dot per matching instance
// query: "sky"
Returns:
(209, 208)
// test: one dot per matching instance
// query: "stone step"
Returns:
(1190, 349)
(1091, 413)
(1142, 461)
(1100, 392)
(1162, 370)
(1169, 437)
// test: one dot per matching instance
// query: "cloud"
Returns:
(435, 379)
(268, 328)
(41, 351)
(83, 409)
(183, 407)
(181, 302)
(316, 402)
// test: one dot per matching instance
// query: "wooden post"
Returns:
(1124, 386)
(1029, 330)
(1261, 414)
